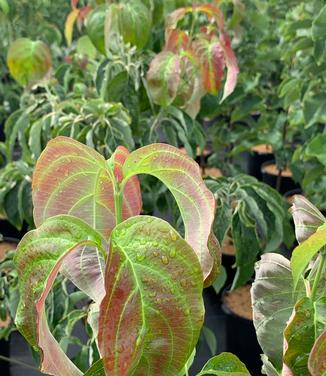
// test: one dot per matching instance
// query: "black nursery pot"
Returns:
(4, 351)
(255, 160)
(270, 178)
(241, 338)
(8, 230)
(228, 262)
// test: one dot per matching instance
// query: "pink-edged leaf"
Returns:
(132, 202)
(307, 218)
(306, 323)
(177, 39)
(151, 317)
(316, 363)
(69, 25)
(83, 15)
(232, 65)
(164, 77)
(71, 178)
(38, 259)
(74, 3)
(182, 176)
(211, 11)
(211, 57)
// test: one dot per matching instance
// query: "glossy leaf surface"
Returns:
(95, 27)
(151, 316)
(182, 177)
(71, 178)
(28, 61)
(38, 259)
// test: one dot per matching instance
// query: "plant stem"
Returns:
(12, 360)
(186, 369)
(318, 275)
(118, 200)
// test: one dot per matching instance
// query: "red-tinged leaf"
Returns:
(216, 253)
(316, 363)
(212, 12)
(232, 65)
(71, 178)
(211, 56)
(191, 88)
(69, 26)
(182, 177)
(178, 40)
(307, 218)
(83, 12)
(28, 61)
(307, 322)
(74, 3)
(132, 206)
(151, 317)
(164, 78)
(38, 259)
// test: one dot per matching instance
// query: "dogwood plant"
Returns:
(144, 279)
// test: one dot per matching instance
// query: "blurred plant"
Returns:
(289, 300)
(255, 216)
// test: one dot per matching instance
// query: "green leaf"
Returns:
(319, 25)
(4, 6)
(317, 356)
(316, 148)
(152, 314)
(210, 339)
(38, 259)
(225, 364)
(304, 252)
(164, 78)
(97, 369)
(71, 178)
(306, 324)
(182, 176)
(272, 302)
(28, 61)
(247, 248)
(85, 47)
(95, 22)
(131, 21)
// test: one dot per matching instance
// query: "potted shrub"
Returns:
(288, 299)
(76, 227)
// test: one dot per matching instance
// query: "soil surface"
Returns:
(239, 302)
(262, 149)
(228, 247)
(212, 172)
(205, 153)
(273, 170)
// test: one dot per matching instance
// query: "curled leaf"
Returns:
(307, 218)
(316, 364)
(182, 177)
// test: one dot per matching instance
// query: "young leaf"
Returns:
(71, 178)
(151, 316)
(232, 65)
(181, 175)
(69, 26)
(164, 77)
(95, 27)
(272, 303)
(316, 363)
(38, 259)
(211, 56)
(28, 61)
(307, 218)
(308, 320)
(304, 252)
(225, 364)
